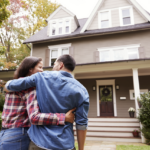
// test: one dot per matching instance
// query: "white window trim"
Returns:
(132, 91)
(111, 49)
(99, 18)
(121, 17)
(59, 48)
(106, 82)
(63, 20)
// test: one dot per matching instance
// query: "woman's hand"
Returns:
(70, 116)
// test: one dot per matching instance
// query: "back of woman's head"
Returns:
(25, 66)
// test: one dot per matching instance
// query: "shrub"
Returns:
(0, 120)
(2, 100)
(144, 115)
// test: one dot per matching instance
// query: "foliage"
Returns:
(2, 100)
(0, 120)
(131, 147)
(144, 115)
(4, 13)
(76, 145)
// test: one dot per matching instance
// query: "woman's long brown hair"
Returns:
(27, 64)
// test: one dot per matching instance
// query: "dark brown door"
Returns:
(106, 100)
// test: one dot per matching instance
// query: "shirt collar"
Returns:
(67, 74)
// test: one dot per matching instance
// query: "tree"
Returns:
(4, 13)
(11, 31)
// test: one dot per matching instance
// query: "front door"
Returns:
(106, 100)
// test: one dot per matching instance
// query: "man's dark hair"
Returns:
(27, 64)
(68, 62)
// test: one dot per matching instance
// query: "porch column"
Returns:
(136, 88)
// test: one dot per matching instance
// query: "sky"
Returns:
(83, 8)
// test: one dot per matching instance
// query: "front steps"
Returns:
(112, 129)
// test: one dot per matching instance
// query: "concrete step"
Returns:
(108, 133)
(113, 139)
(114, 119)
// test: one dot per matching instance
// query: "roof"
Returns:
(100, 2)
(42, 36)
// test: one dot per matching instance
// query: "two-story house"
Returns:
(112, 52)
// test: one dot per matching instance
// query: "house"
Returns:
(112, 51)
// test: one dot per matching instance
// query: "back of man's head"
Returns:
(68, 61)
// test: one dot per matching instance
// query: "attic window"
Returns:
(54, 29)
(105, 19)
(126, 16)
(60, 26)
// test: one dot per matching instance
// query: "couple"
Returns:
(57, 92)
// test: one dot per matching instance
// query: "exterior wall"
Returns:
(73, 25)
(126, 84)
(84, 49)
(61, 14)
(114, 4)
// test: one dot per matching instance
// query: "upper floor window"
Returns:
(126, 16)
(105, 19)
(119, 53)
(58, 27)
(58, 50)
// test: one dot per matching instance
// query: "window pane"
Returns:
(53, 28)
(65, 51)
(53, 61)
(104, 16)
(126, 21)
(104, 24)
(133, 53)
(104, 56)
(126, 13)
(60, 30)
(67, 29)
(54, 53)
(67, 23)
(119, 54)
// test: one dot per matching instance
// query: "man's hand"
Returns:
(70, 116)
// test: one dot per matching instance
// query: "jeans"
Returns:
(14, 139)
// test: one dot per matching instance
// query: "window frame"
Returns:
(121, 16)
(99, 18)
(57, 21)
(59, 48)
(111, 49)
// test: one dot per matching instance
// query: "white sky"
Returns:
(83, 8)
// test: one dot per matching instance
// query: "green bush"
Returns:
(144, 115)
(2, 100)
(0, 120)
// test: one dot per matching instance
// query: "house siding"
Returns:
(125, 84)
(84, 49)
(73, 25)
(114, 5)
(61, 14)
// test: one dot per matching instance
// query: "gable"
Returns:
(139, 14)
(61, 14)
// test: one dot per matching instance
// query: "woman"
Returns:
(21, 108)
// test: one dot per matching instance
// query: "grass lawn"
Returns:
(131, 147)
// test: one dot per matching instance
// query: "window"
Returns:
(54, 29)
(132, 95)
(119, 53)
(60, 27)
(58, 50)
(126, 16)
(67, 26)
(104, 19)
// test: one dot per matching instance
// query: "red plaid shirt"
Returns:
(21, 108)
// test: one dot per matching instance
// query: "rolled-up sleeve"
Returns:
(22, 83)
(82, 115)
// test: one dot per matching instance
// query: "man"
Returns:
(57, 91)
